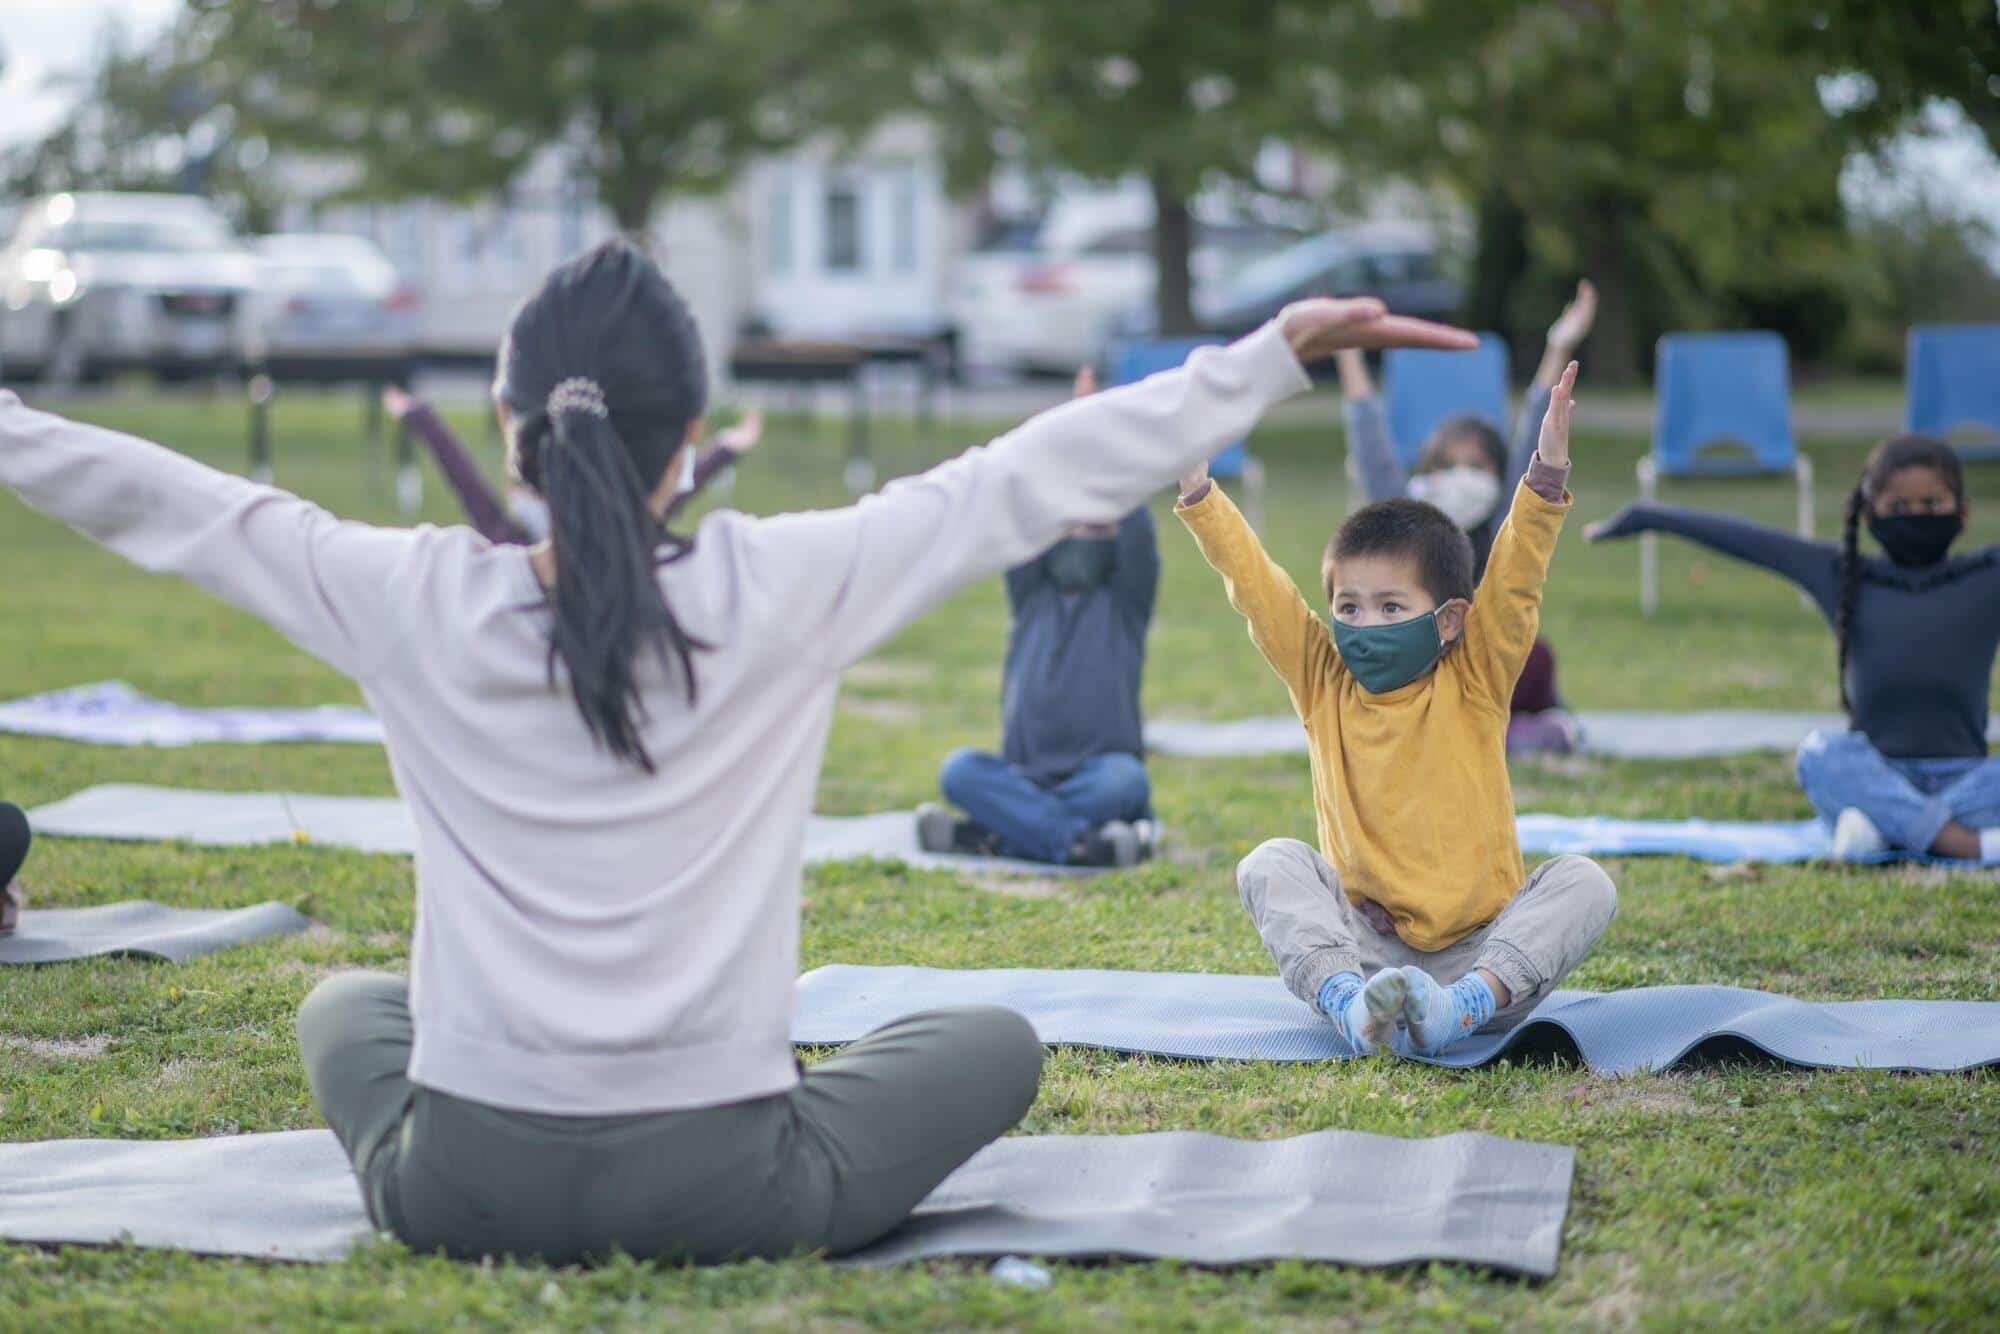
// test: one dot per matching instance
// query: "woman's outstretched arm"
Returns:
(323, 583)
(853, 577)
(1811, 564)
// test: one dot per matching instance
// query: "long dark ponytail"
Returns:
(1884, 462)
(601, 374)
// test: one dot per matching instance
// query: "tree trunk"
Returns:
(1173, 240)
(1499, 262)
(1617, 340)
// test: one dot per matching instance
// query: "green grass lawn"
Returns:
(1746, 1196)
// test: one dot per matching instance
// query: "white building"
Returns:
(824, 241)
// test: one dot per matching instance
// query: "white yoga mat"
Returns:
(112, 713)
(1336, 1195)
(1638, 736)
(382, 824)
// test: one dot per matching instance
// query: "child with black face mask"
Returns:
(1917, 632)
(1069, 786)
(1414, 924)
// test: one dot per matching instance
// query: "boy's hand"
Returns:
(742, 437)
(1086, 382)
(1553, 447)
(1573, 325)
(1194, 484)
(1320, 326)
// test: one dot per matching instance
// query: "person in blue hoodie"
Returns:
(1069, 786)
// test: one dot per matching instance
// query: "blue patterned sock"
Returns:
(1438, 1016)
(1337, 996)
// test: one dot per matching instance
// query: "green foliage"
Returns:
(458, 97)
(147, 118)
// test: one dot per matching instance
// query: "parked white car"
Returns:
(1046, 297)
(333, 309)
(96, 283)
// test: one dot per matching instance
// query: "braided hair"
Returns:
(602, 373)
(1884, 462)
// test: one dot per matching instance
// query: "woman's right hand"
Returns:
(1320, 326)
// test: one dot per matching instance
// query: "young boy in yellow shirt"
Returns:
(1418, 882)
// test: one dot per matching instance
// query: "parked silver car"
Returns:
(96, 283)
(333, 309)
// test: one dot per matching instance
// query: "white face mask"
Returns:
(1468, 496)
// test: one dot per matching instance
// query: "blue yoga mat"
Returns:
(1204, 1016)
(1708, 840)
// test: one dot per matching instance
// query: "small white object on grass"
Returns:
(1019, 1273)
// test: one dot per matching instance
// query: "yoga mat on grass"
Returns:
(382, 824)
(1335, 1195)
(1201, 1016)
(112, 713)
(1639, 736)
(143, 929)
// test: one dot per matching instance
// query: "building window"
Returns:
(903, 218)
(843, 226)
(778, 224)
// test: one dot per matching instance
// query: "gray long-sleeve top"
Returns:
(1074, 660)
(1383, 476)
(1921, 642)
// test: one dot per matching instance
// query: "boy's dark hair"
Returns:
(1884, 462)
(1403, 527)
(1463, 426)
(602, 374)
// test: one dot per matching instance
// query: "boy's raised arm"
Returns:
(1506, 611)
(1285, 630)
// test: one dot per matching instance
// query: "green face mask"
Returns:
(1385, 657)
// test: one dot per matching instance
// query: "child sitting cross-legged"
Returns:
(1414, 924)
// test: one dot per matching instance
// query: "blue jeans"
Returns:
(1038, 822)
(1910, 801)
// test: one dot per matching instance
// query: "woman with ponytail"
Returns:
(1916, 633)
(609, 742)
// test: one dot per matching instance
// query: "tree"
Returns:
(148, 118)
(651, 98)
(1183, 95)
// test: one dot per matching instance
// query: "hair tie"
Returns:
(579, 393)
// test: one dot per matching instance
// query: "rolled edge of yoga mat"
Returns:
(141, 928)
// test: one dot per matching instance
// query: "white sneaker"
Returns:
(1855, 837)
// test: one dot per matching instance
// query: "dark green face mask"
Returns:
(1386, 657)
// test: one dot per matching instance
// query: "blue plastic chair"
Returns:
(1422, 388)
(1133, 359)
(1720, 390)
(1952, 381)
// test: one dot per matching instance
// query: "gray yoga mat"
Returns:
(1335, 1195)
(1202, 1016)
(1642, 736)
(143, 928)
(382, 824)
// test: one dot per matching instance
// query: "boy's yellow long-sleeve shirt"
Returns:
(1410, 786)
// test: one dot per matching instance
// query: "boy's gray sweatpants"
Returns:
(1313, 931)
(830, 1165)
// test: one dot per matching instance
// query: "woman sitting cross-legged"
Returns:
(609, 744)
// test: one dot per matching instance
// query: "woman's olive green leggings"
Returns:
(830, 1165)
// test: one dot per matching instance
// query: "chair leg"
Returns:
(1802, 472)
(1649, 544)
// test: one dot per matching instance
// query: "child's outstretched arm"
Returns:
(1285, 630)
(1811, 564)
(482, 508)
(1376, 465)
(1506, 611)
(1566, 335)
